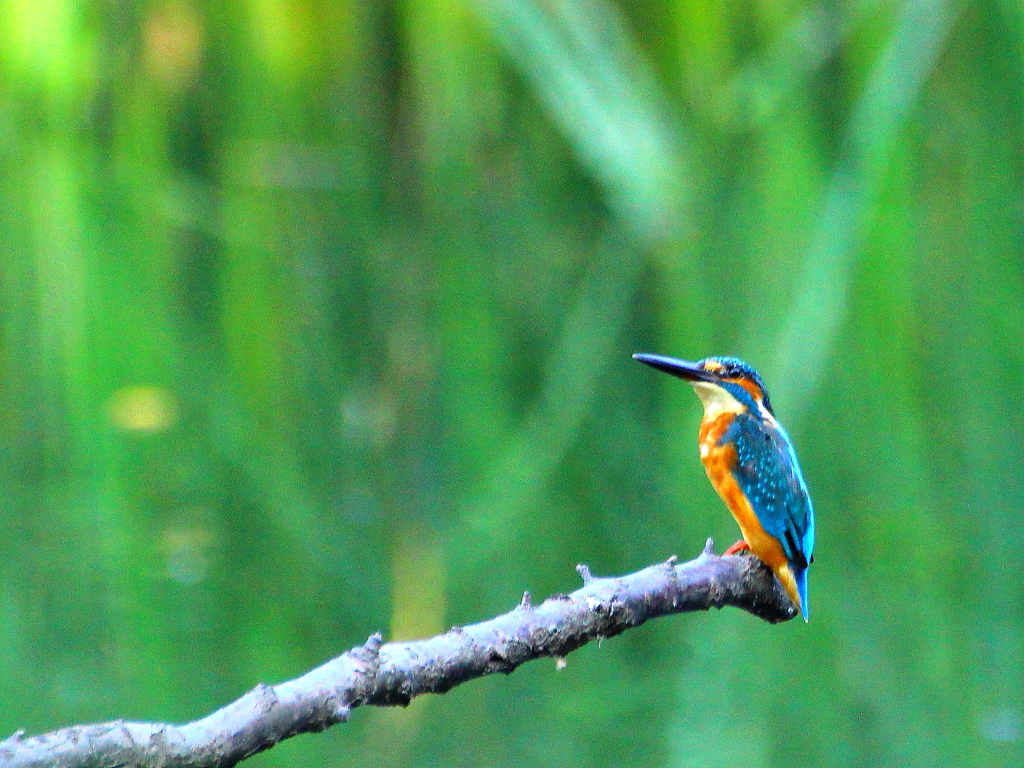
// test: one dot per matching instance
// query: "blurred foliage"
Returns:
(315, 319)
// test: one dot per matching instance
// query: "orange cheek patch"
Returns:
(751, 387)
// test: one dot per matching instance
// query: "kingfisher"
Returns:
(752, 465)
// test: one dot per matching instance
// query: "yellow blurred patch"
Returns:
(143, 409)
(173, 35)
(418, 586)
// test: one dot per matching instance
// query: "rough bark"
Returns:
(383, 675)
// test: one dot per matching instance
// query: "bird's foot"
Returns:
(739, 546)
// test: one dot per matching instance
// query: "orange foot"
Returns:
(739, 546)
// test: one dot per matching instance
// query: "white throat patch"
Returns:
(716, 399)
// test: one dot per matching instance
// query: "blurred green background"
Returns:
(316, 319)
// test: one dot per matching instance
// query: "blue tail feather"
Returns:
(800, 576)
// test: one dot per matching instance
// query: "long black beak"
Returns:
(682, 369)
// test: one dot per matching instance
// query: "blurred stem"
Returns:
(804, 346)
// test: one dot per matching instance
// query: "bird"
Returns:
(751, 463)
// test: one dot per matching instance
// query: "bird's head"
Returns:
(724, 384)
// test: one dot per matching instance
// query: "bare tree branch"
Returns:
(375, 674)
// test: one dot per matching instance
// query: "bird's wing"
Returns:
(769, 475)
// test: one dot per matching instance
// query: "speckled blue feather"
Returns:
(769, 475)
